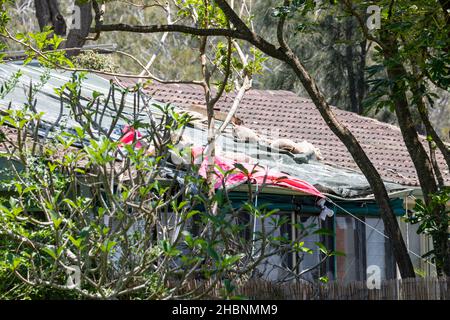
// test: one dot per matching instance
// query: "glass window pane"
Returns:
(379, 250)
(346, 266)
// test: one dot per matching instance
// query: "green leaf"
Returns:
(188, 238)
(169, 249)
(338, 253)
(231, 260)
(241, 168)
(107, 246)
(212, 253)
(322, 247)
(190, 214)
(229, 287)
(76, 242)
(80, 132)
(84, 232)
(56, 219)
(70, 203)
(50, 252)
(14, 261)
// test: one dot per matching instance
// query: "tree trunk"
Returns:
(48, 14)
(349, 57)
(415, 148)
(361, 84)
(423, 112)
(424, 168)
(78, 34)
(370, 172)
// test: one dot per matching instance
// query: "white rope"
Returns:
(254, 222)
(407, 224)
(381, 233)
(362, 221)
(256, 196)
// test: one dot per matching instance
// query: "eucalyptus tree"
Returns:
(412, 47)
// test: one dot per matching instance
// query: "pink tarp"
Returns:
(130, 135)
(256, 174)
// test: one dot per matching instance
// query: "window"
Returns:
(363, 244)
(286, 265)
(361, 240)
(308, 261)
(350, 237)
(379, 249)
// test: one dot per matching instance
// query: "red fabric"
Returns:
(130, 136)
(258, 175)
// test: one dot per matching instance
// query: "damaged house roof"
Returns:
(298, 119)
(332, 176)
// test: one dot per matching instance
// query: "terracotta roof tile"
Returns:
(298, 119)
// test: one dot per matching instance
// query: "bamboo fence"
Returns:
(396, 289)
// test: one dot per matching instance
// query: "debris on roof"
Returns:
(303, 147)
(242, 133)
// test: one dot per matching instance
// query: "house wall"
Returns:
(417, 245)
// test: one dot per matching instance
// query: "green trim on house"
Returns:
(307, 204)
